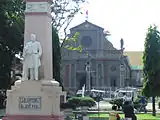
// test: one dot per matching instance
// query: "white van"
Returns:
(131, 95)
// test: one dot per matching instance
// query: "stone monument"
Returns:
(38, 98)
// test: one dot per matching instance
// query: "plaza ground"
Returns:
(139, 116)
(106, 106)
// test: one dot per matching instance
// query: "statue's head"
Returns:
(33, 37)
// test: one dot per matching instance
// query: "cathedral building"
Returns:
(99, 65)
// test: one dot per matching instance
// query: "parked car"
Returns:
(131, 94)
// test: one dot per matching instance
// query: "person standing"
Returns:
(113, 115)
(124, 97)
(128, 110)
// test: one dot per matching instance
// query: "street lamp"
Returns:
(121, 70)
(98, 99)
(88, 70)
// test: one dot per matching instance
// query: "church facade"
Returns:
(99, 65)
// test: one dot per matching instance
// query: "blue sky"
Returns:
(127, 19)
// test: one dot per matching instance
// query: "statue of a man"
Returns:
(122, 43)
(31, 62)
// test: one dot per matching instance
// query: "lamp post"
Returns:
(98, 99)
(121, 59)
(88, 71)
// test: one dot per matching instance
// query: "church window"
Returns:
(86, 41)
(113, 68)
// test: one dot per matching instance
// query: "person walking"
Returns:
(143, 103)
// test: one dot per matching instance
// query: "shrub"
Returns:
(118, 102)
(66, 106)
(81, 101)
(136, 103)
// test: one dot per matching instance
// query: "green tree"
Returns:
(56, 55)
(12, 31)
(151, 70)
(70, 43)
(63, 13)
(11, 36)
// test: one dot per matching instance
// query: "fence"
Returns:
(109, 91)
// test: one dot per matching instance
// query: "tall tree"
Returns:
(56, 55)
(11, 36)
(63, 13)
(12, 30)
(151, 62)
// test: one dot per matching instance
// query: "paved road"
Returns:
(103, 105)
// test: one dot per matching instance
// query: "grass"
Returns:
(139, 116)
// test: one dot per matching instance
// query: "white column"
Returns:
(102, 67)
(120, 75)
(75, 83)
(70, 67)
(97, 85)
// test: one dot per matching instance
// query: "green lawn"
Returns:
(139, 116)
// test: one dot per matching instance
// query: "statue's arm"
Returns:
(24, 51)
(40, 49)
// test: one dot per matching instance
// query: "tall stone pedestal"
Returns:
(34, 100)
(38, 20)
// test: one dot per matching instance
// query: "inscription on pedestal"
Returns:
(30, 102)
(38, 7)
